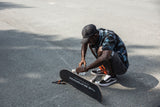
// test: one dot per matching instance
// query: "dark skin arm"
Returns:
(99, 61)
(83, 54)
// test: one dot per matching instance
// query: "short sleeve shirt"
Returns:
(111, 41)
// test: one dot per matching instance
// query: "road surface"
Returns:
(38, 38)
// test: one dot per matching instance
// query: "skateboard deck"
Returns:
(81, 84)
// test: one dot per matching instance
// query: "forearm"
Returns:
(83, 51)
(99, 61)
(95, 64)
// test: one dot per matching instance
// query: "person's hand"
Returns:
(80, 69)
(83, 62)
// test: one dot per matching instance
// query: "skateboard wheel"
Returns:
(73, 70)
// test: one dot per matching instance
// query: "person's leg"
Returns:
(107, 68)
(101, 69)
(109, 78)
(115, 67)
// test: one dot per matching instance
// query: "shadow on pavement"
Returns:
(139, 85)
(29, 63)
(44, 56)
(8, 5)
(138, 81)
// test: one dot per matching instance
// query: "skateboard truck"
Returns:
(59, 82)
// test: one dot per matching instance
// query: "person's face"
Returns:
(93, 39)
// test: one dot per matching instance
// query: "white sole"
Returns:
(97, 74)
(105, 85)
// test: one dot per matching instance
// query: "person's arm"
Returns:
(83, 54)
(99, 61)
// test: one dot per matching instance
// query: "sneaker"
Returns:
(97, 72)
(108, 80)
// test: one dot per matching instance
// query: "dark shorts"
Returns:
(117, 65)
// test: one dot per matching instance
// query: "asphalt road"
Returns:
(38, 38)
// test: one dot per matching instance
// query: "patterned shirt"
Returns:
(111, 41)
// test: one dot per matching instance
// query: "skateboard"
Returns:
(81, 84)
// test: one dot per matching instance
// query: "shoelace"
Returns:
(103, 69)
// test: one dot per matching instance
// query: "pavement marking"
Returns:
(63, 60)
(33, 75)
